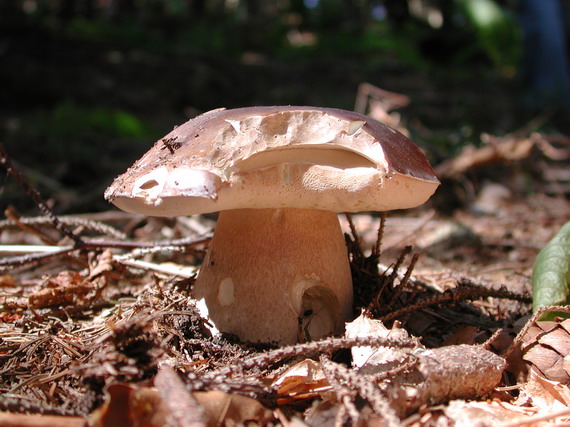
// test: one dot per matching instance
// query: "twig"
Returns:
(352, 229)
(376, 250)
(389, 281)
(35, 196)
(487, 344)
(187, 242)
(455, 295)
(30, 249)
(326, 345)
(14, 217)
(344, 393)
(16, 403)
(392, 278)
(406, 277)
(10, 263)
(186, 272)
(69, 221)
(50, 252)
(366, 389)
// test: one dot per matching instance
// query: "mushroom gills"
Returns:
(339, 158)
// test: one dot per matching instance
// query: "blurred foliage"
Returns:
(78, 147)
(497, 32)
(67, 120)
(287, 29)
(72, 130)
(102, 79)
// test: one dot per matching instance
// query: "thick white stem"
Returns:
(277, 275)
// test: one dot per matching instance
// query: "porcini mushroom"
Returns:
(277, 267)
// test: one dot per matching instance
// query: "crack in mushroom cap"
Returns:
(272, 157)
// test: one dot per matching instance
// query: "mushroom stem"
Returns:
(278, 275)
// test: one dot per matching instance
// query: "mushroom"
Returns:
(277, 269)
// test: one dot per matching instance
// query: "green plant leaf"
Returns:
(551, 272)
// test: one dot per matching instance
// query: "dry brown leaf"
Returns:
(7, 281)
(67, 288)
(303, 380)
(323, 414)
(116, 409)
(377, 359)
(132, 406)
(182, 407)
(491, 413)
(463, 334)
(544, 394)
(8, 419)
(101, 264)
(232, 409)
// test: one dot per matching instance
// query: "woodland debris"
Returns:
(368, 360)
(303, 380)
(35, 196)
(546, 347)
(440, 374)
(67, 288)
(9, 419)
(544, 395)
(183, 409)
(453, 372)
(132, 405)
(495, 150)
(487, 413)
(67, 220)
(378, 399)
(513, 148)
(448, 234)
(380, 105)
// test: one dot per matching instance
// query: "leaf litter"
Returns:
(101, 328)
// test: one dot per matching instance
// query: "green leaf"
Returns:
(551, 272)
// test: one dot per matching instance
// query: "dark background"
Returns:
(86, 86)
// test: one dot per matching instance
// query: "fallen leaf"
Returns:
(374, 359)
(7, 281)
(232, 409)
(8, 419)
(545, 394)
(303, 380)
(132, 406)
(482, 414)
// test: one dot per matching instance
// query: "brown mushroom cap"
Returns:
(272, 157)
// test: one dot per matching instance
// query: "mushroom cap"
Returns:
(275, 157)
